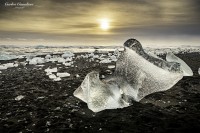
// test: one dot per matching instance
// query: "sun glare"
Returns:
(104, 24)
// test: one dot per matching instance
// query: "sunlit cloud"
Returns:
(83, 19)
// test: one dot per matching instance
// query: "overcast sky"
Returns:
(77, 22)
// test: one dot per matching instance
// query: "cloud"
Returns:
(78, 18)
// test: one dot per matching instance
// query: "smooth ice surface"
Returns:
(137, 74)
(187, 71)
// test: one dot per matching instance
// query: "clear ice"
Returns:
(187, 71)
(137, 74)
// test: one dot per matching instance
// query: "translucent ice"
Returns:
(99, 95)
(137, 74)
(145, 74)
(187, 71)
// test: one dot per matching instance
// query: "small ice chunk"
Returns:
(57, 108)
(67, 64)
(91, 54)
(95, 56)
(105, 61)
(48, 123)
(111, 66)
(22, 63)
(48, 73)
(68, 59)
(16, 65)
(8, 65)
(0, 72)
(199, 71)
(36, 60)
(52, 76)
(18, 98)
(113, 58)
(67, 54)
(60, 60)
(48, 70)
(48, 56)
(187, 71)
(42, 97)
(3, 67)
(77, 75)
(57, 79)
(63, 74)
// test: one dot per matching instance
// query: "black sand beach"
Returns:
(49, 106)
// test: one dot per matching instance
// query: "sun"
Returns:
(104, 24)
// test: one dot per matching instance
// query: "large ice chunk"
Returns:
(187, 71)
(137, 74)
